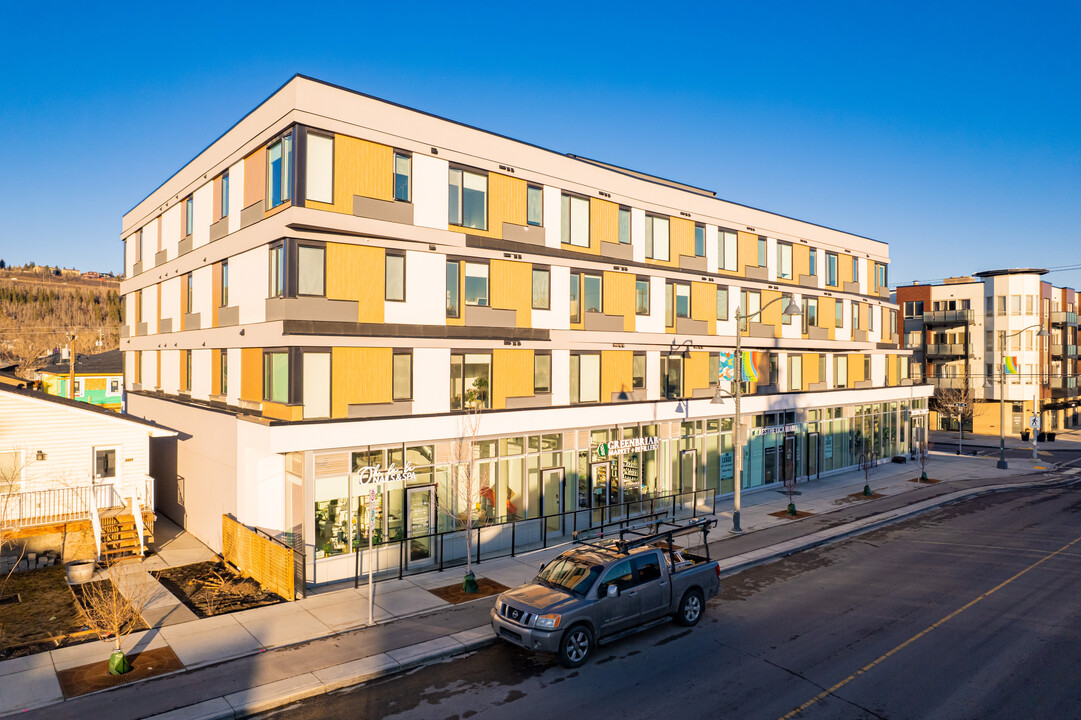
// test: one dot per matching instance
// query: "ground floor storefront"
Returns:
(406, 499)
(988, 417)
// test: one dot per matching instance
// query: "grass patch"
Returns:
(47, 616)
(212, 588)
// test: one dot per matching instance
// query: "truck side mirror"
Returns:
(542, 566)
(612, 591)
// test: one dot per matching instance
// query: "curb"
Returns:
(905, 513)
(321, 682)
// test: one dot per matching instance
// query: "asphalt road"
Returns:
(970, 611)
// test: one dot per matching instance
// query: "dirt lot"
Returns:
(211, 588)
(48, 610)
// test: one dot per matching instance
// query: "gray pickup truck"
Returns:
(604, 589)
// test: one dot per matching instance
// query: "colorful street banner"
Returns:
(727, 369)
(1010, 366)
(750, 365)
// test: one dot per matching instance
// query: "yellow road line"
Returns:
(917, 636)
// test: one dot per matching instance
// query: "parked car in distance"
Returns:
(604, 589)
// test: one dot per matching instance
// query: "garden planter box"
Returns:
(80, 571)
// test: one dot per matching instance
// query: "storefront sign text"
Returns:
(774, 430)
(827, 447)
(727, 464)
(375, 474)
(627, 445)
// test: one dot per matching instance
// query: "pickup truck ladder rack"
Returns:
(652, 532)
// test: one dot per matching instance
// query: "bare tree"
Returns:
(868, 464)
(466, 493)
(923, 458)
(958, 405)
(790, 490)
(113, 608)
(12, 465)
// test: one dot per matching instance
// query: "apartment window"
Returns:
(190, 299)
(638, 370)
(279, 168)
(138, 246)
(855, 315)
(77, 387)
(727, 252)
(1030, 304)
(838, 313)
(402, 376)
(189, 215)
(657, 238)
(585, 378)
(989, 340)
(534, 205)
(840, 371)
(276, 376)
(672, 375)
(403, 171)
(575, 220)
(722, 303)
(871, 312)
(542, 373)
(810, 313)
(914, 309)
(114, 386)
(185, 380)
(223, 301)
(592, 293)
(880, 275)
(855, 269)
(786, 300)
(311, 270)
(104, 463)
(320, 168)
(699, 240)
(761, 251)
(813, 262)
(468, 199)
(452, 289)
(866, 367)
(831, 269)
(714, 369)
(576, 298)
(750, 303)
(277, 273)
(223, 202)
(470, 380)
(223, 371)
(1000, 303)
(795, 373)
(625, 225)
(641, 296)
(1015, 305)
(395, 278)
(542, 289)
(784, 261)
(476, 284)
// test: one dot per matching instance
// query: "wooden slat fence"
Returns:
(266, 560)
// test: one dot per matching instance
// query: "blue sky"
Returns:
(951, 131)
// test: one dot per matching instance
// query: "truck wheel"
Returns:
(690, 608)
(575, 646)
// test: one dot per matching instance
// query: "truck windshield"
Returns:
(570, 575)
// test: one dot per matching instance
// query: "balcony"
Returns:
(1063, 350)
(949, 317)
(1063, 318)
(947, 383)
(1063, 387)
(949, 350)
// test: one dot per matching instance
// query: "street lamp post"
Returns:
(737, 393)
(1002, 464)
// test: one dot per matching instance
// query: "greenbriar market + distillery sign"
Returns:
(627, 445)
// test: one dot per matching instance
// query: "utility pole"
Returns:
(71, 364)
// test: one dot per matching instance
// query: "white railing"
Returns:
(44, 507)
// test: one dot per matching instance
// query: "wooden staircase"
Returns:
(120, 538)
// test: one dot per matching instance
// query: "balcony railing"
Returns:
(949, 350)
(1063, 387)
(1063, 318)
(1064, 350)
(948, 383)
(69, 504)
(949, 317)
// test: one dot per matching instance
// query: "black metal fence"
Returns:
(440, 550)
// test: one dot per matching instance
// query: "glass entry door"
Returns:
(812, 455)
(420, 524)
(552, 488)
(601, 476)
(688, 470)
(789, 467)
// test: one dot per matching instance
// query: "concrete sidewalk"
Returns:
(246, 662)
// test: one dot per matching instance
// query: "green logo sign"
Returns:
(602, 450)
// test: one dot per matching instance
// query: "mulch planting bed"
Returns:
(785, 515)
(860, 496)
(46, 617)
(212, 588)
(454, 594)
(95, 676)
(928, 481)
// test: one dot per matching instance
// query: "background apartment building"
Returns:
(961, 330)
(334, 282)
